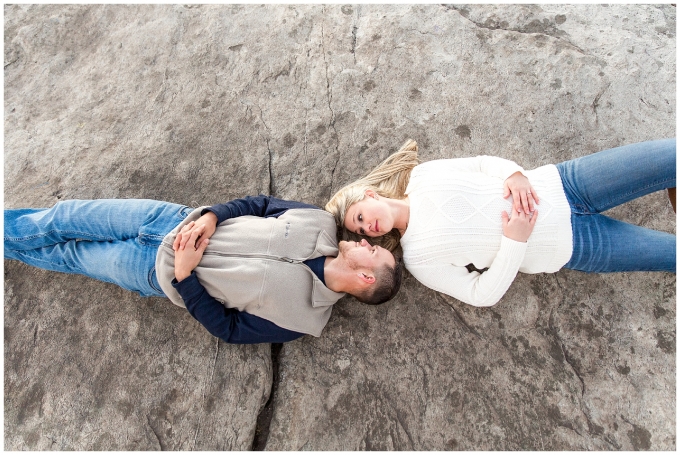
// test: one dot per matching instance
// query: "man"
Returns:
(253, 270)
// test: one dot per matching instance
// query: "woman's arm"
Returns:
(473, 288)
(487, 288)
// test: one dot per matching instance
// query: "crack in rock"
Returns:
(460, 319)
(329, 96)
(535, 27)
(264, 418)
(355, 28)
(271, 185)
(271, 176)
(158, 438)
(593, 428)
(596, 102)
(16, 60)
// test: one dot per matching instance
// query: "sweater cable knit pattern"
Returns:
(455, 220)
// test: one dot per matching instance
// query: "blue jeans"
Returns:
(598, 182)
(112, 240)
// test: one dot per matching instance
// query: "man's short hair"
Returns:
(387, 284)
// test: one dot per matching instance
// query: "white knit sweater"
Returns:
(455, 220)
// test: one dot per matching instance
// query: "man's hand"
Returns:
(521, 225)
(524, 197)
(187, 258)
(209, 224)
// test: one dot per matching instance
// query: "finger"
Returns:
(192, 235)
(504, 217)
(184, 239)
(175, 244)
(533, 193)
(203, 245)
(506, 191)
(181, 239)
(195, 234)
(530, 200)
(533, 219)
(525, 202)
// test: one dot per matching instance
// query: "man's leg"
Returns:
(603, 180)
(110, 240)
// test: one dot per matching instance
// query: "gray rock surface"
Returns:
(202, 104)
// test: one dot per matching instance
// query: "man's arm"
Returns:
(264, 206)
(228, 324)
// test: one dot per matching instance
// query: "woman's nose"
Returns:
(363, 242)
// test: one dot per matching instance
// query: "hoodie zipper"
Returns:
(247, 256)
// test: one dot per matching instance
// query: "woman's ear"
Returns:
(371, 193)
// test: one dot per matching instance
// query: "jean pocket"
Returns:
(184, 212)
(153, 281)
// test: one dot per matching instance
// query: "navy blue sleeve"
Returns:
(264, 206)
(228, 324)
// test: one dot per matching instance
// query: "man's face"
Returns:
(363, 255)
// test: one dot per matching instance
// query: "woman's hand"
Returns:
(187, 258)
(207, 222)
(520, 226)
(524, 198)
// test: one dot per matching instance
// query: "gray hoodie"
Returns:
(255, 265)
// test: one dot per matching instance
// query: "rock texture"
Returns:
(202, 104)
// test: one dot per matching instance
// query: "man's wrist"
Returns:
(181, 275)
(212, 216)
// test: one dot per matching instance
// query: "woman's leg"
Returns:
(598, 182)
(111, 240)
(603, 244)
(603, 180)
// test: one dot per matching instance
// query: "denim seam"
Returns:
(73, 272)
(31, 258)
(142, 239)
(626, 195)
(45, 234)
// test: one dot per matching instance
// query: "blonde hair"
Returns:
(389, 179)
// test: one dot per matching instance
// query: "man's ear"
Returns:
(366, 278)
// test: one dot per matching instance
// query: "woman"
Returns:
(468, 225)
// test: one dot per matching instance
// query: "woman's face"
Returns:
(371, 216)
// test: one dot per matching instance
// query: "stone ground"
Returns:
(202, 104)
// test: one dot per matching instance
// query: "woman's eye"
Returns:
(360, 218)
(361, 231)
